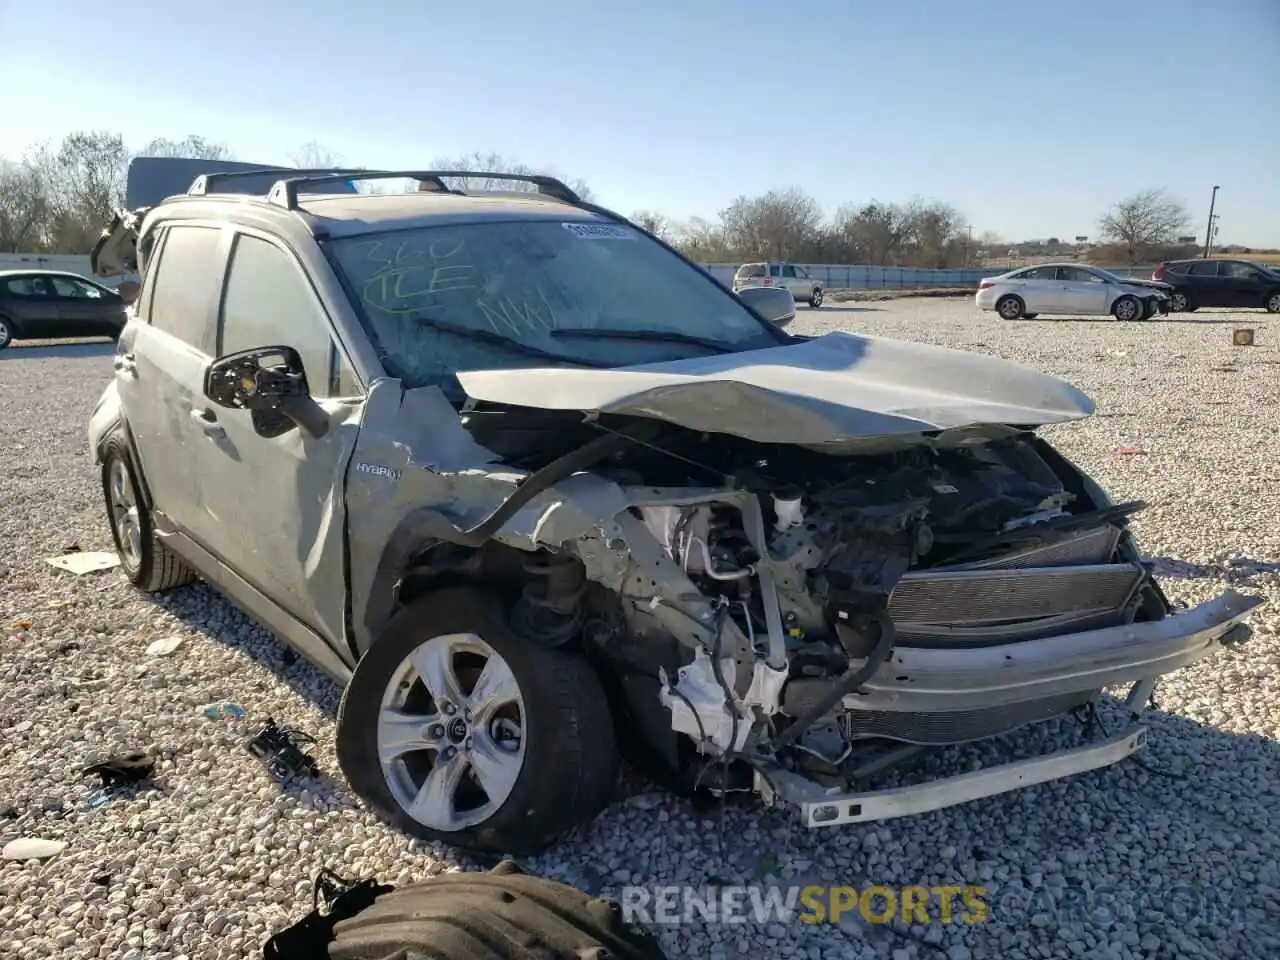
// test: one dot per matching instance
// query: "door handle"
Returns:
(208, 422)
(124, 363)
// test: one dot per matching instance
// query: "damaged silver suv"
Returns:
(538, 490)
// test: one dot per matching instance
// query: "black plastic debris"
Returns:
(277, 747)
(121, 770)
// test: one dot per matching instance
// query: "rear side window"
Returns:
(183, 283)
(269, 302)
(1207, 268)
(1176, 267)
(773, 269)
(1039, 273)
(752, 270)
(27, 287)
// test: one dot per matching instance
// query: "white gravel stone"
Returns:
(217, 846)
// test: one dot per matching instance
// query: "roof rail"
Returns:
(201, 185)
(285, 192)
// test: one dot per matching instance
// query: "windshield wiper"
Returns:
(668, 336)
(498, 340)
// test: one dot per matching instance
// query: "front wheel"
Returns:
(816, 300)
(457, 729)
(1127, 308)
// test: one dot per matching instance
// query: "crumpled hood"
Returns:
(829, 390)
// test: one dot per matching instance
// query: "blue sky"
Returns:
(1030, 117)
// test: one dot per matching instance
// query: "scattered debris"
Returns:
(82, 563)
(276, 747)
(164, 646)
(1225, 369)
(221, 711)
(1131, 452)
(24, 624)
(32, 848)
(123, 769)
(1242, 337)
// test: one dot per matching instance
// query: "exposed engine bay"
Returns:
(811, 569)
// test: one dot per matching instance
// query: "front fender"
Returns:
(105, 418)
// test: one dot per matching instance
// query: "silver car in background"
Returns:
(1072, 289)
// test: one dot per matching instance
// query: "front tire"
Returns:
(1010, 307)
(1127, 308)
(458, 730)
(146, 561)
(816, 300)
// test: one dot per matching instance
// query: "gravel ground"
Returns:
(216, 856)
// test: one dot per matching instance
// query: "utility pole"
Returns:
(1208, 234)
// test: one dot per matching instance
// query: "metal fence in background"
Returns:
(870, 277)
(832, 276)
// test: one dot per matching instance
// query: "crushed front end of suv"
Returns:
(538, 491)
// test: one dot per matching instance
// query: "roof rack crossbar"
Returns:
(285, 192)
(201, 185)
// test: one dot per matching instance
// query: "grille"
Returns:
(935, 729)
(976, 605)
(1096, 545)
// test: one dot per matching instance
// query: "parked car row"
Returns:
(51, 304)
(1072, 288)
(1175, 286)
(1220, 283)
(777, 273)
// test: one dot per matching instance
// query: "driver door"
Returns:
(274, 506)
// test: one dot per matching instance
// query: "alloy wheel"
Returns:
(451, 732)
(125, 515)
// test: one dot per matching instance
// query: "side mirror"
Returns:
(271, 383)
(775, 304)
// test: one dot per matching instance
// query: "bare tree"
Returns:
(85, 181)
(779, 225)
(189, 147)
(1145, 220)
(656, 223)
(700, 239)
(25, 209)
(313, 155)
(875, 232)
(496, 163)
(936, 230)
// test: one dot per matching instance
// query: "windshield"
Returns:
(504, 294)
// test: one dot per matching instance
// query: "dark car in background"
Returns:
(1220, 283)
(52, 305)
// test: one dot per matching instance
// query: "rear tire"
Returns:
(1010, 307)
(1128, 308)
(816, 300)
(8, 332)
(146, 561)
(1273, 302)
(1179, 302)
(539, 748)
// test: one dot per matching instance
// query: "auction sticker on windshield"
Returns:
(598, 231)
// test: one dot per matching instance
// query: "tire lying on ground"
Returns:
(504, 914)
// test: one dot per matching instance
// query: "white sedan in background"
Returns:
(1069, 288)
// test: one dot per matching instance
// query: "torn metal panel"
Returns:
(834, 389)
